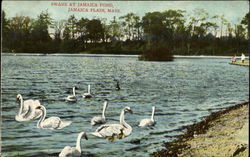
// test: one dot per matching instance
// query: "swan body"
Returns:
(74, 151)
(52, 122)
(149, 121)
(72, 97)
(87, 95)
(102, 119)
(27, 110)
(109, 130)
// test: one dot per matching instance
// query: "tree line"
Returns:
(175, 31)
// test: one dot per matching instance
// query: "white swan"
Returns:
(149, 121)
(74, 151)
(102, 119)
(72, 97)
(109, 130)
(27, 110)
(51, 122)
(87, 95)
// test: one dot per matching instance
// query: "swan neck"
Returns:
(88, 88)
(122, 117)
(153, 112)
(21, 105)
(104, 109)
(78, 142)
(42, 117)
(122, 121)
(74, 92)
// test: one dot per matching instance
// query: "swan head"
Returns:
(18, 97)
(83, 134)
(127, 109)
(41, 107)
(106, 103)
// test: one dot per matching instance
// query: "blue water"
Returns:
(184, 92)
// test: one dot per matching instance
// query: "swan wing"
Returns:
(109, 130)
(64, 124)
(51, 123)
(86, 95)
(75, 152)
(20, 118)
(37, 114)
(26, 105)
(146, 122)
(32, 103)
(28, 102)
(71, 98)
(24, 116)
(36, 103)
(97, 120)
(67, 151)
(31, 113)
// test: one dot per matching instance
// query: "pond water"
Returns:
(184, 92)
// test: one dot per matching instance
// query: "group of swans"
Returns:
(108, 130)
(119, 130)
(32, 109)
(72, 98)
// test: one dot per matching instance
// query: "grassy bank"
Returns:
(223, 133)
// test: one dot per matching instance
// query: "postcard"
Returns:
(124, 78)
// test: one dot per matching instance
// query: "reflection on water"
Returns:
(183, 91)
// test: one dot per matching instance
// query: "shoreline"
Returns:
(113, 55)
(222, 133)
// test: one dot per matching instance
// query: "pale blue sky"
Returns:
(233, 10)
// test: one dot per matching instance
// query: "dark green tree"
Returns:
(39, 31)
(82, 29)
(246, 21)
(153, 25)
(95, 30)
(72, 25)
(5, 31)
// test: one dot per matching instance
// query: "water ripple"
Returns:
(183, 91)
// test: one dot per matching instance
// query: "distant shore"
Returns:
(112, 55)
(223, 133)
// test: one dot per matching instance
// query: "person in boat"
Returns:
(232, 59)
(242, 58)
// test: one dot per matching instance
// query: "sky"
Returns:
(234, 11)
